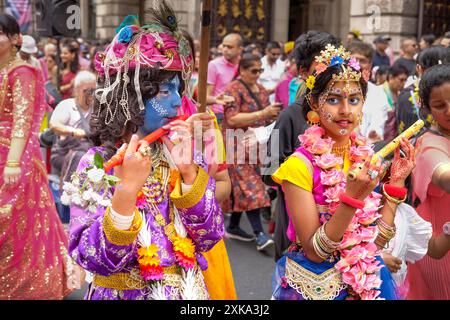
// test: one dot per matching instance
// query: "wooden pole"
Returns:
(204, 53)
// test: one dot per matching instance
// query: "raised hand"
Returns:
(401, 168)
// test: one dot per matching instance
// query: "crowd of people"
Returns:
(343, 226)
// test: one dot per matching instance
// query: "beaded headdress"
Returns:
(336, 57)
(159, 44)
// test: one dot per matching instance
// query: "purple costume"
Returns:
(111, 254)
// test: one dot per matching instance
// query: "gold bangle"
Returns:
(13, 164)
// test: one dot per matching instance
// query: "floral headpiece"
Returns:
(332, 57)
(159, 44)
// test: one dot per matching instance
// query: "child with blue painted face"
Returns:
(145, 239)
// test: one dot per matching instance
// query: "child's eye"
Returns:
(333, 101)
(354, 101)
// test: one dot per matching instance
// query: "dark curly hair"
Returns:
(120, 129)
(309, 45)
(321, 84)
(432, 78)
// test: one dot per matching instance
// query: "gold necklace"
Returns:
(8, 63)
(341, 151)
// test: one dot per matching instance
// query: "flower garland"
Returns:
(183, 246)
(357, 264)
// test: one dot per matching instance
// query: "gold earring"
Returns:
(313, 118)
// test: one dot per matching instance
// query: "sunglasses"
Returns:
(256, 71)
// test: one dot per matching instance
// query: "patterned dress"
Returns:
(33, 244)
(248, 189)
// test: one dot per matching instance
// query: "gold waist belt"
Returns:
(133, 280)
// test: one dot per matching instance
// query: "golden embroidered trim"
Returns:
(5, 141)
(325, 286)
(194, 195)
(121, 237)
(6, 209)
(128, 281)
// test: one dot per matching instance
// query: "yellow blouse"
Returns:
(298, 170)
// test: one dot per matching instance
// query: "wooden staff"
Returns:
(204, 54)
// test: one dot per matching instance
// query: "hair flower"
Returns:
(354, 64)
(125, 34)
(321, 67)
(310, 82)
(336, 61)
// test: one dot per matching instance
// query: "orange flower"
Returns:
(184, 246)
(174, 175)
(149, 261)
(321, 67)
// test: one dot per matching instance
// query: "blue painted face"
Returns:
(162, 107)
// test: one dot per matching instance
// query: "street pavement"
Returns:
(252, 270)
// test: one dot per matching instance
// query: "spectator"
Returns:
(70, 121)
(375, 107)
(83, 62)
(380, 75)
(49, 50)
(397, 76)
(286, 90)
(352, 36)
(251, 108)
(221, 72)
(409, 101)
(69, 70)
(380, 57)
(409, 48)
(446, 40)
(427, 41)
(273, 68)
(28, 50)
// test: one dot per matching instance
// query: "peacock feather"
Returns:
(162, 13)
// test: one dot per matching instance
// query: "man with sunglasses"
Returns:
(70, 122)
(409, 48)
(273, 68)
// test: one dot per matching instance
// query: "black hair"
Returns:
(429, 38)
(247, 60)
(432, 78)
(382, 70)
(447, 35)
(273, 45)
(9, 25)
(309, 45)
(432, 55)
(321, 84)
(362, 48)
(74, 64)
(397, 70)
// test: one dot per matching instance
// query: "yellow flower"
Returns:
(310, 82)
(150, 251)
(149, 261)
(184, 245)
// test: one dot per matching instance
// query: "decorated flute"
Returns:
(117, 159)
(391, 146)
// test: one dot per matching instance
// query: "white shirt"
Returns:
(66, 113)
(272, 75)
(375, 111)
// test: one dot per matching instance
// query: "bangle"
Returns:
(395, 192)
(352, 202)
(392, 199)
(12, 164)
(258, 115)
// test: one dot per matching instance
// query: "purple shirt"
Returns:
(220, 73)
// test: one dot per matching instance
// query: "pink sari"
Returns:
(33, 243)
(429, 279)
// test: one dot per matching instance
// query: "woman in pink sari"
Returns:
(429, 278)
(33, 243)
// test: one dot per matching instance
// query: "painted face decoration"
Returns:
(162, 107)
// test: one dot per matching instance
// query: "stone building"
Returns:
(283, 20)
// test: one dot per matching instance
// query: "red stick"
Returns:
(117, 159)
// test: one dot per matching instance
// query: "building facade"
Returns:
(282, 20)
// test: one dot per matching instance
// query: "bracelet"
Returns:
(392, 199)
(330, 244)
(395, 192)
(352, 202)
(12, 164)
(321, 253)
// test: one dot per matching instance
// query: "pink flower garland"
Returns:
(358, 252)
